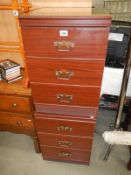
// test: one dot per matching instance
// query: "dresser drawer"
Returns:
(75, 111)
(66, 42)
(65, 72)
(54, 153)
(16, 122)
(65, 95)
(54, 124)
(15, 104)
(63, 141)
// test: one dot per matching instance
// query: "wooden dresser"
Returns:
(16, 110)
(65, 56)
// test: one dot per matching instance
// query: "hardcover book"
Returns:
(8, 65)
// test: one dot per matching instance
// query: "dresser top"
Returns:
(64, 17)
(15, 88)
(63, 13)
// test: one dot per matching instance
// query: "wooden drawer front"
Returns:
(14, 104)
(65, 141)
(65, 154)
(79, 43)
(77, 111)
(64, 126)
(65, 95)
(65, 72)
(15, 122)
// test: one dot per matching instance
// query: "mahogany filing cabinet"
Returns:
(65, 59)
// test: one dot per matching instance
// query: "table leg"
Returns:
(129, 163)
(36, 144)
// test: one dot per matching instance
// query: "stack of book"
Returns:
(10, 71)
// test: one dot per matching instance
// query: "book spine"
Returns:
(11, 67)
(11, 74)
(10, 71)
(12, 80)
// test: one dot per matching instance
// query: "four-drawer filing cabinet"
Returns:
(65, 59)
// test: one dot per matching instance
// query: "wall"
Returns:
(8, 30)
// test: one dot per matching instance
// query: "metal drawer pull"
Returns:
(14, 105)
(64, 45)
(64, 75)
(19, 123)
(64, 128)
(64, 98)
(65, 154)
(65, 143)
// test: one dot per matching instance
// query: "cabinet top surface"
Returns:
(15, 88)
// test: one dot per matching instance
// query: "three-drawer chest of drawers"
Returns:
(65, 58)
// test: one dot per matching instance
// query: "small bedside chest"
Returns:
(16, 110)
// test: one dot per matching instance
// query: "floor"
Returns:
(18, 157)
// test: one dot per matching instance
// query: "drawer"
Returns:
(74, 111)
(65, 95)
(65, 72)
(55, 153)
(16, 123)
(66, 126)
(63, 141)
(15, 104)
(66, 42)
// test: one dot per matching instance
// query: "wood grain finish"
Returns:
(15, 88)
(42, 42)
(15, 104)
(55, 153)
(15, 122)
(65, 77)
(72, 20)
(65, 72)
(77, 111)
(65, 95)
(48, 124)
(63, 141)
(16, 109)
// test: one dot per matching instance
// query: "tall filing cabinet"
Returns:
(65, 59)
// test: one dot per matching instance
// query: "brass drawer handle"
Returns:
(64, 128)
(64, 98)
(63, 74)
(65, 154)
(19, 123)
(64, 45)
(14, 105)
(65, 143)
